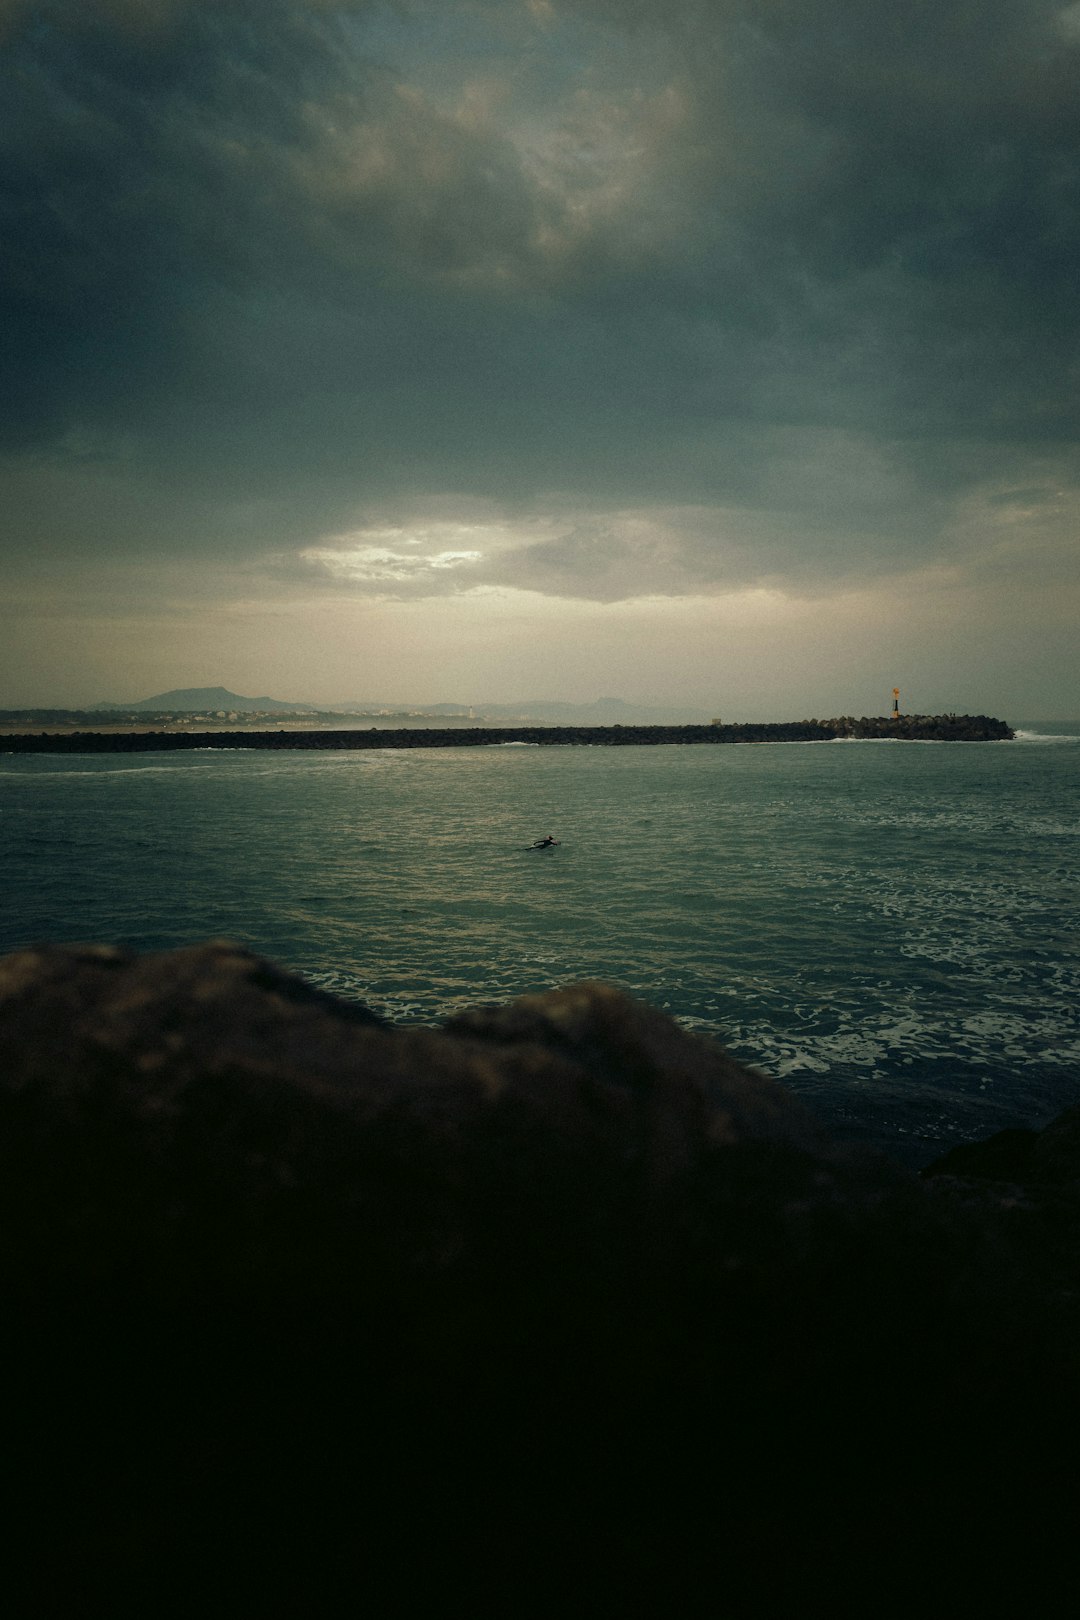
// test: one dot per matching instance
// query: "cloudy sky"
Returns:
(720, 352)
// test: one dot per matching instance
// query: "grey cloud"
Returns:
(606, 561)
(807, 266)
(797, 534)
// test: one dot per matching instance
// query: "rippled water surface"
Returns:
(893, 929)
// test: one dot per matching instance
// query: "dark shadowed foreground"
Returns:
(558, 1306)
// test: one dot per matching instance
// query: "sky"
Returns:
(706, 352)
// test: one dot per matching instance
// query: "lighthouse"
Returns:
(896, 703)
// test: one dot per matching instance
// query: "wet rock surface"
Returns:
(558, 1299)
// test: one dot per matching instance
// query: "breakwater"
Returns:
(908, 728)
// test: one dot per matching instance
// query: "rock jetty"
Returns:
(908, 728)
(555, 1309)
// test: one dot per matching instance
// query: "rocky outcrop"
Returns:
(558, 1304)
(907, 728)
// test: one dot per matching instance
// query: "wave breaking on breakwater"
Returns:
(905, 728)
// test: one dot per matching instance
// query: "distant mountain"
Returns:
(601, 712)
(607, 711)
(204, 699)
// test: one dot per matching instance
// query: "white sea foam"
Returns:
(88, 774)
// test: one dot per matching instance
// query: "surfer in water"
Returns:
(545, 843)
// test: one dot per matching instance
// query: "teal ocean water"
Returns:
(893, 929)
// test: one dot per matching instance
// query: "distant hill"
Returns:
(606, 711)
(539, 711)
(203, 699)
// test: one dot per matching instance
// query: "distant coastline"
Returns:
(906, 728)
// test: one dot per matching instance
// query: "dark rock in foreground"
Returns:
(557, 1305)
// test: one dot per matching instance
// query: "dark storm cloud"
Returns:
(804, 269)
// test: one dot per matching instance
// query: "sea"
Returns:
(892, 929)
